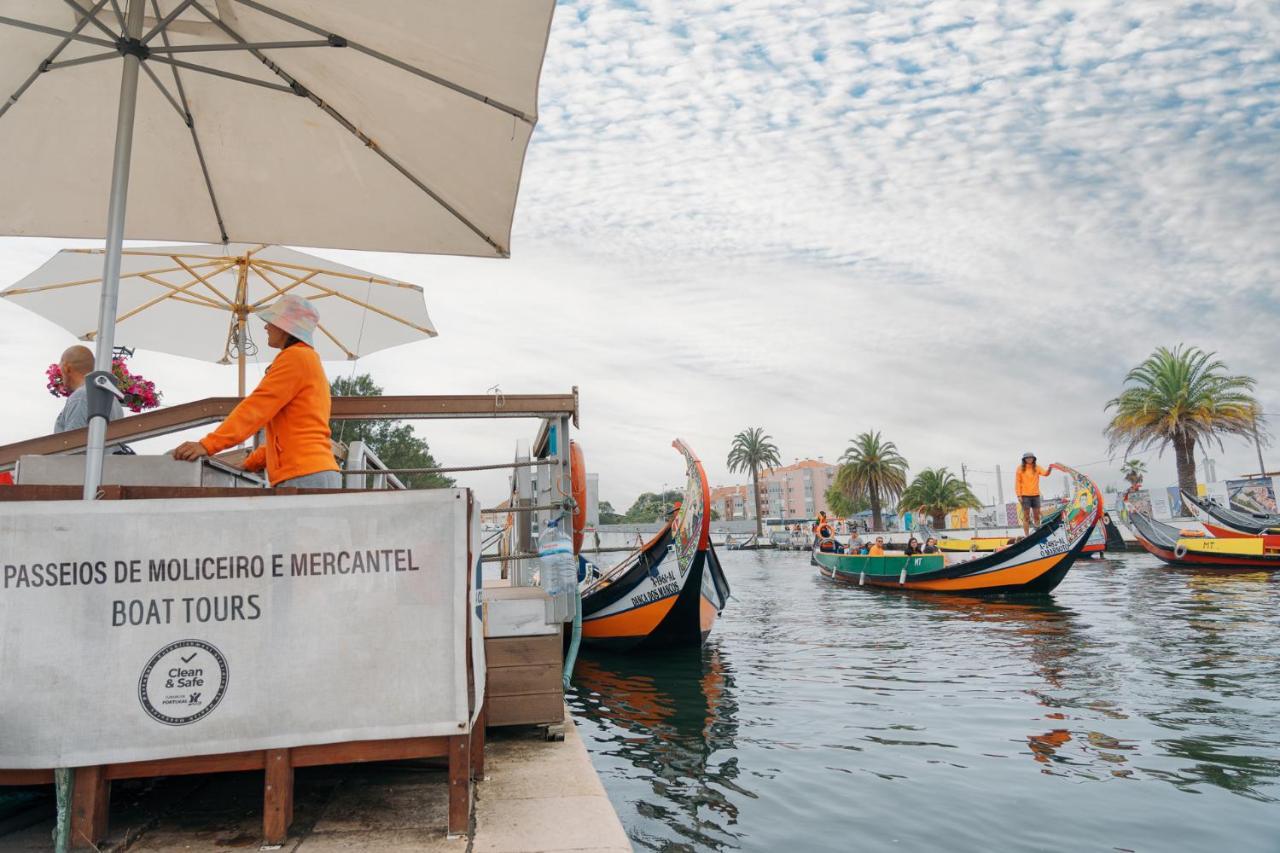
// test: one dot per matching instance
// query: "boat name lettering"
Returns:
(1048, 549)
(664, 585)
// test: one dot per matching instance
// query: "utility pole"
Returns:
(999, 485)
(964, 473)
(1257, 443)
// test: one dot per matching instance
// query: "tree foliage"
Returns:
(395, 442)
(843, 505)
(753, 451)
(1134, 470)
(609, 515)
(936, 492)
(872, 468)
(652, 506)
(1182, 397)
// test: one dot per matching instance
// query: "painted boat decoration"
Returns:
(1185, 548)
(1115, 542)
(1225, 522)
(1036, 564)
(670, 591)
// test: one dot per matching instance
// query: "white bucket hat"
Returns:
(292, 314)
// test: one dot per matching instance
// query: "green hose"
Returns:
(62, 779)
(571, 657)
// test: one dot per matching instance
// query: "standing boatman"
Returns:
(1026, 485)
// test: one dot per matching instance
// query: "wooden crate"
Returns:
(523, 680)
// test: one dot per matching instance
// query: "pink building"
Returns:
(794, 491)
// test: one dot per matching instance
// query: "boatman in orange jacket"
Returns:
(292, 402)
(1026, 485)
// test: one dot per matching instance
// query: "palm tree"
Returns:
(1134, 470)
(872, 468)
(1182, 397)
(751, 451)
(936, 492)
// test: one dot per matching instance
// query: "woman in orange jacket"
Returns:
(291, 401)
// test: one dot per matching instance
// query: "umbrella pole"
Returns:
(110, 297)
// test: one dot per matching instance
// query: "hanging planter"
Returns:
(140, 393)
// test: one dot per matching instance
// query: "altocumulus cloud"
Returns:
(958, 222)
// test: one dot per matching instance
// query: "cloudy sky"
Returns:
(959, 223)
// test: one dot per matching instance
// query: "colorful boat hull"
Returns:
(1177, 549)
(671, 591)
(1222, 521)
(1035, 565)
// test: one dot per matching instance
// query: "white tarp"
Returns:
(135, 630)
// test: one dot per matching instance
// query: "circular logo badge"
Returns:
(183, 682)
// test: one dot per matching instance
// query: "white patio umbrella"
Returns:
(195, 300)
(392, 125)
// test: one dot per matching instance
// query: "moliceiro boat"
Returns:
(1191, 548)
(1226, 522)
(670, 591)
(1036, 564)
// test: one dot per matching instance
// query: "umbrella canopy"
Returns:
(188, 300)
(386, 125)
(392, 125)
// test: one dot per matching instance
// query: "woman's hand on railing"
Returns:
(189, 451)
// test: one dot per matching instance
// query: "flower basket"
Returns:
(140, 393)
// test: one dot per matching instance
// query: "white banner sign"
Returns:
(135, 630)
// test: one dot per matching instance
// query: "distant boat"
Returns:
(1185, 548)
(670, 590)
(1036, 564)
(1228, 523)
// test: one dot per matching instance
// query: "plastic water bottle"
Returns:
(557, 567)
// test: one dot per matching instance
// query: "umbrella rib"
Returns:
(371, 144)
(205, 281)
(73, 34)
(279, 291)
(92, 15)
(163, 23)
(239, 78)
(190, 121)
(26, 291)
(350, 355)
(26, 84)
(83, 60)
(202, 299)
(167, 96)
(363, 278)
(176, 292)
(328, 291)
(390, 60)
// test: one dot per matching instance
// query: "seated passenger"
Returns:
(930, 546)
(913, 547)
(77, 363)
(877, 549)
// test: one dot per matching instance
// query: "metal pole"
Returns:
(110, 297)
(242, 312)
(1257, 443)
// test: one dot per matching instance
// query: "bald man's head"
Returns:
(76, 363)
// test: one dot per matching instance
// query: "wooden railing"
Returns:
(214, 409)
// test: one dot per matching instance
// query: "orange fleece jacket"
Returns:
(292, 402)
(1027, 480)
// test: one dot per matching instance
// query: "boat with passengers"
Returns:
(1035, 564)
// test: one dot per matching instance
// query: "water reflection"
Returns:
(673, 718)
(817, 710)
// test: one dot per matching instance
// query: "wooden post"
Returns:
(459, 784)
(277, 796)
(90, 798)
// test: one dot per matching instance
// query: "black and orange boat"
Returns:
(1230, 523)
(1192, 548)
(1036, 564)
(670, 590)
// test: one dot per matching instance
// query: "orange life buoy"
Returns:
(578, 487)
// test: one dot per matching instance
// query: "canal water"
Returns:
(1137, 708)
